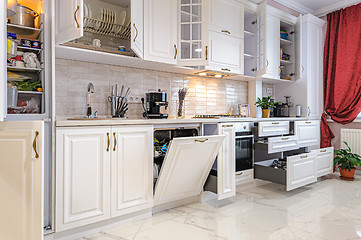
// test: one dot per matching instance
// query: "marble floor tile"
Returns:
(327, 210)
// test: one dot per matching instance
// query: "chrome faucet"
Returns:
(90, 90)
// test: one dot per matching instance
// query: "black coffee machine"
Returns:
(154, 102)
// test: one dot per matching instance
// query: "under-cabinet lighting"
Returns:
(202, 74)
(11, 7)
(198, 50)
(218, 76)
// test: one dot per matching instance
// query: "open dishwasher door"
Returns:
(186, 167)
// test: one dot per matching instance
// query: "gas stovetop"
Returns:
(217, 116)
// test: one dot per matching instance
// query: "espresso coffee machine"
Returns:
(154, 102)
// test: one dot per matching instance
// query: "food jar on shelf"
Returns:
(11, 45)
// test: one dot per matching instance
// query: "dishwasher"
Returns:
(182, 161)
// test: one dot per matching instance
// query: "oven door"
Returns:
(244, 152)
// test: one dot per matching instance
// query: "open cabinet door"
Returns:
(68, 20)
(298, 50)
(186, 167)
(261, 59)
(137, 27)
(21, 180)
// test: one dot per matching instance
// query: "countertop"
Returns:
(102, 121)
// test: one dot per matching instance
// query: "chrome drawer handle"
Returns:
(201, 141)
(304, 156)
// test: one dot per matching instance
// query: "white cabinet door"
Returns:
(226, 17)
(186, 167)
(193, 33)
(160, 31)
(21, 171)
(226, 53)
(281, 144)
(301, 170)
(226, 163)
(274, 128)
(272, 47)
(137, 27)
(308, 133)
(131, 169)
(68, 20)
(324, 161)
(298, 48)
(82, 176)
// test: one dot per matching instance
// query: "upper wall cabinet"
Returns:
(193, 32)
(226, 17)
(160, 31)
(279, 44)
(120, 23)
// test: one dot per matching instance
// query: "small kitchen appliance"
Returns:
(154, 101)
(283, 109)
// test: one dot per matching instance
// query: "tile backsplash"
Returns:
(205, 95)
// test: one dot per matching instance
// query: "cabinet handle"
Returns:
(275, 123)
(206, 52)
(108, 142)
(305, 156)
(226, 126)
(225, 69)
(115, 142)
(34, 144)
(308, 122)
(309, 111)
(254, 69)
(201, 141)
(225, 31)
(136, 32)
(176, 51)
(303, 68)
(323, 151)
(239, 174)
(75, 18)
(254, 22)
(267, 63)
(285, 138)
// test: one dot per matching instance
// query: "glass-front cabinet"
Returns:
(193, 28)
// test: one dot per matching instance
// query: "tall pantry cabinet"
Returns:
(25, 131)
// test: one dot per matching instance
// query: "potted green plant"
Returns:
(266, 103)
(346, 161)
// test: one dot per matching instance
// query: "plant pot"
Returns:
(346, 173)
(266, 113)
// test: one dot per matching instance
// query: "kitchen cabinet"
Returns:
(101, 174)
(193, 36)
(186, 167)
(271, 48)
(131, 169)
(307, 92)
(226, 17)
(300, 170)
(21, 171)
(324, 161)
(250, 41)
(281, 144)
(82, 176)
(308, 133)
(273, 128)
(160, 31)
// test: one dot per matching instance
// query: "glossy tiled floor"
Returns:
(329, 209)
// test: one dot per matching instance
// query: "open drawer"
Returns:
(300, 171)
(324, 161)
(282, 144)
(274, 128)
(186, 167)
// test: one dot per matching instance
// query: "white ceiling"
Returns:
(315, 7)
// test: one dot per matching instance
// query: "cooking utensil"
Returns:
(24, 16)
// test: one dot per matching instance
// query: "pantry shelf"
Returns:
(23, 69)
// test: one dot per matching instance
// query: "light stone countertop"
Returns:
(103, 121)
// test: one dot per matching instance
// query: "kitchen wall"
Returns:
(206, 95)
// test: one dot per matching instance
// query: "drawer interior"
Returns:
(265, 171)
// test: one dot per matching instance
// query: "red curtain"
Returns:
(342, 69)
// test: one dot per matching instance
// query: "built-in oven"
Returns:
(244, 146)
